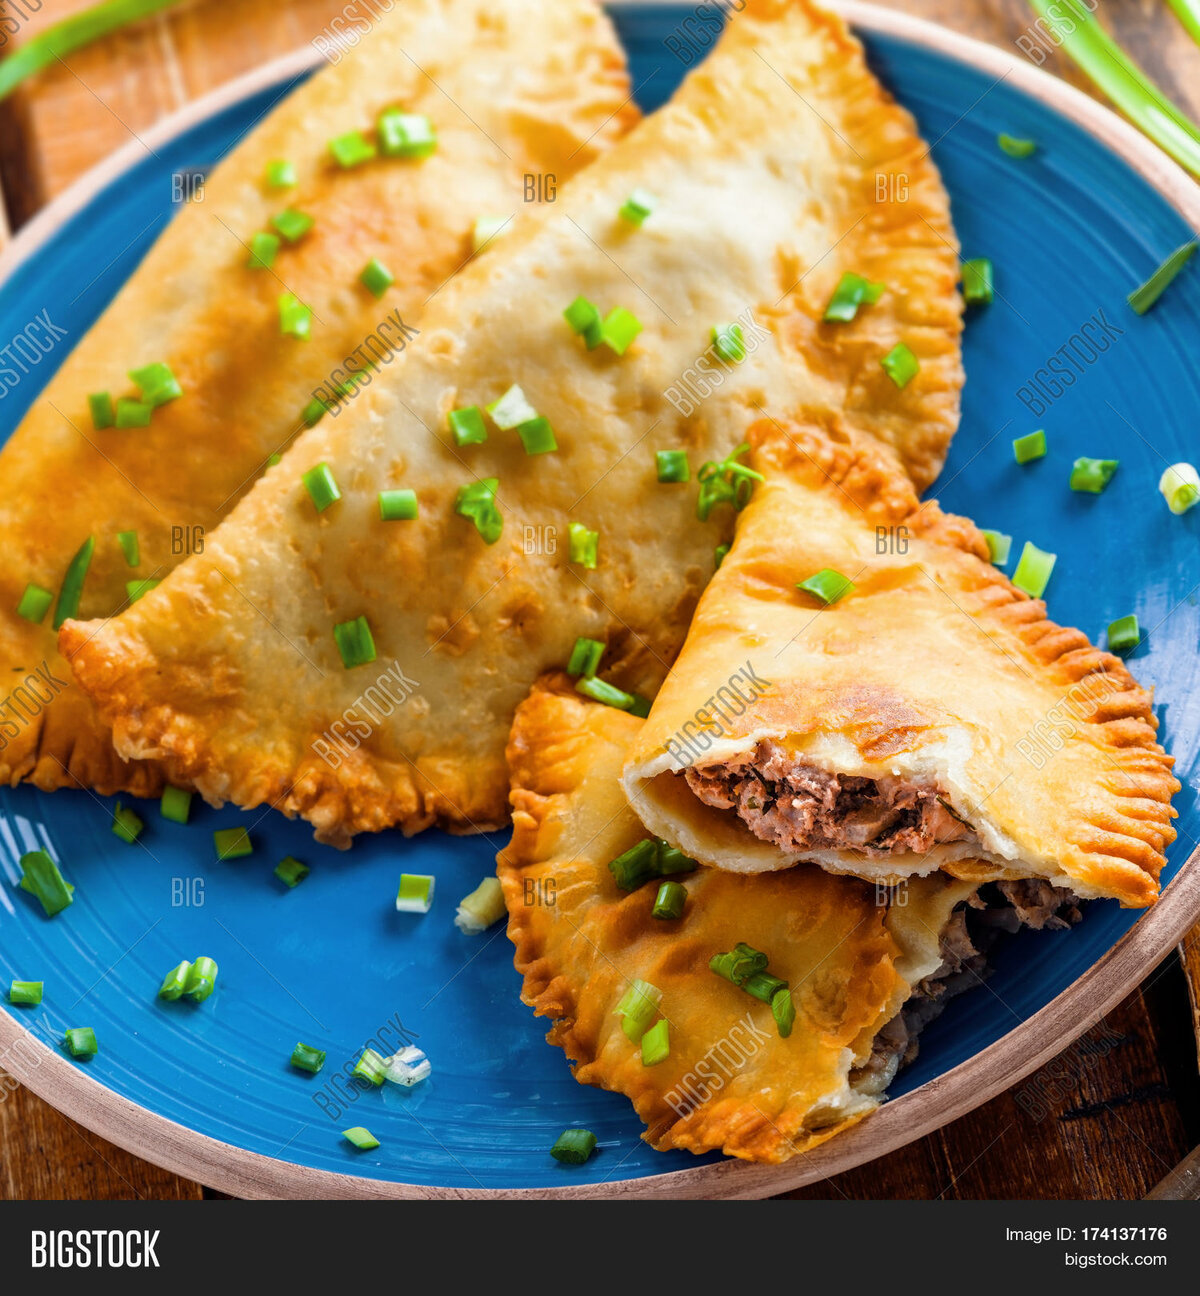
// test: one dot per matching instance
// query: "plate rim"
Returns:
(242, 1173)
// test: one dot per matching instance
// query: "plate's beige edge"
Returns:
(230, 1169)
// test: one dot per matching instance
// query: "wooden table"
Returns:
(1107, 1119)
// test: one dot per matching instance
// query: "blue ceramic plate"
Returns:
(1071, 231)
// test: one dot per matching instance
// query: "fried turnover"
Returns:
(895, 731)
(730, 1082)
(763, 172)
(512, 87)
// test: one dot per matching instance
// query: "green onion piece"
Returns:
(157, 383)
(738, 964)
(306, 1058)
(1124, 634)
(128, 540)
(483, 907)
(1015, 147)
(900, 365)
(512, 409)
(727, 482)
(851, 292)
(1033, 570)
(176, 804)
(280, 174)
(637, 207)
(312, 413)
(764, 986)
(601, 691)
(719, 555)
(672, 465)
(134, 589)
(376, 278)
(81, 1042)
(584, 319)
(636, 866)
(41, 878)
(1092, 475)
(126, 824)
(656, 1044)
(477, 501)
(35, 603)
(415, 893)
(618, 329)
(584, 545)
(100, 406)
(1142, 298)
(977, 281)
(25, 992)
(132, 413)
(361, 1137)
(290, 871)
(537, 436)
(397, 505)
(784, 1012)
(405, 135)
(728, 342)
(826, 586)
(573, 1146)
(263, 249)
(1029, 447)
(672, 860)
(175, 982)
(669, 901)
(321, 486)
(1180, 487)
(467, 425)
(637, 1008)
(351, 149)
(292, 224)
(72, 586)
(232, 843)
(354, 642)
(295, 318)
(487, 228)
(640, 706)
(999, 546)
(201, 979)
(585, 657)
(273, 459)
(371, 1068)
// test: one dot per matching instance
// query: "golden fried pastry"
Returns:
(741, 203)
(511, 87)
(931, 717)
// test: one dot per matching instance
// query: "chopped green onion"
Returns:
(827, 586)
(483, 907)
(640, 705)
(1029, 447)
(727, 482)
(405, 135)
(1142, 298)
(584, 545)
(290, 871)
(728, 343)
(467, 425)
(398, 505)
(670, 900)
(1092, 475)
(656, 1044)
(573, 1146)
(361, 1137)
(176, 804)
(72, 586)
(370, 1068)
(292, 224)
(132, 413)
(263, 250)
(354, 642)
(408, 1067)
(1015, 147)
(1033, 570)
(1180, 487)
(415, 893)
(537, 436)
(26, 993)
(128, 540)
(201, 979)
(1124, 634)
(672, 860)
(41, 878)
(618, 329)
(672, 465)
(312, 413)
(175, 982)
(851, 292)
(977, 281)
(900, 365)
(764, 986)
(306, 1058)
(585, 657)
(232, 843)
(739, 964)
(637, 207)
(376, 278)
(295, 318)
(719, 555)
(100, 406)
(486, 229)
(81, 1042)
(35, 603)
(637, 1008)
(273, 458)
(584, 319)
(784, 1012)
(280, 174)
(157, 383)
(636, 866)
(126, 824)
(512, 409)
(601, 691)
(999, 546)
(321, 486)
(134, 589)
(351, 149)
(477, 501)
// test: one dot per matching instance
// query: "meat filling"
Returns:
(799, 807)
